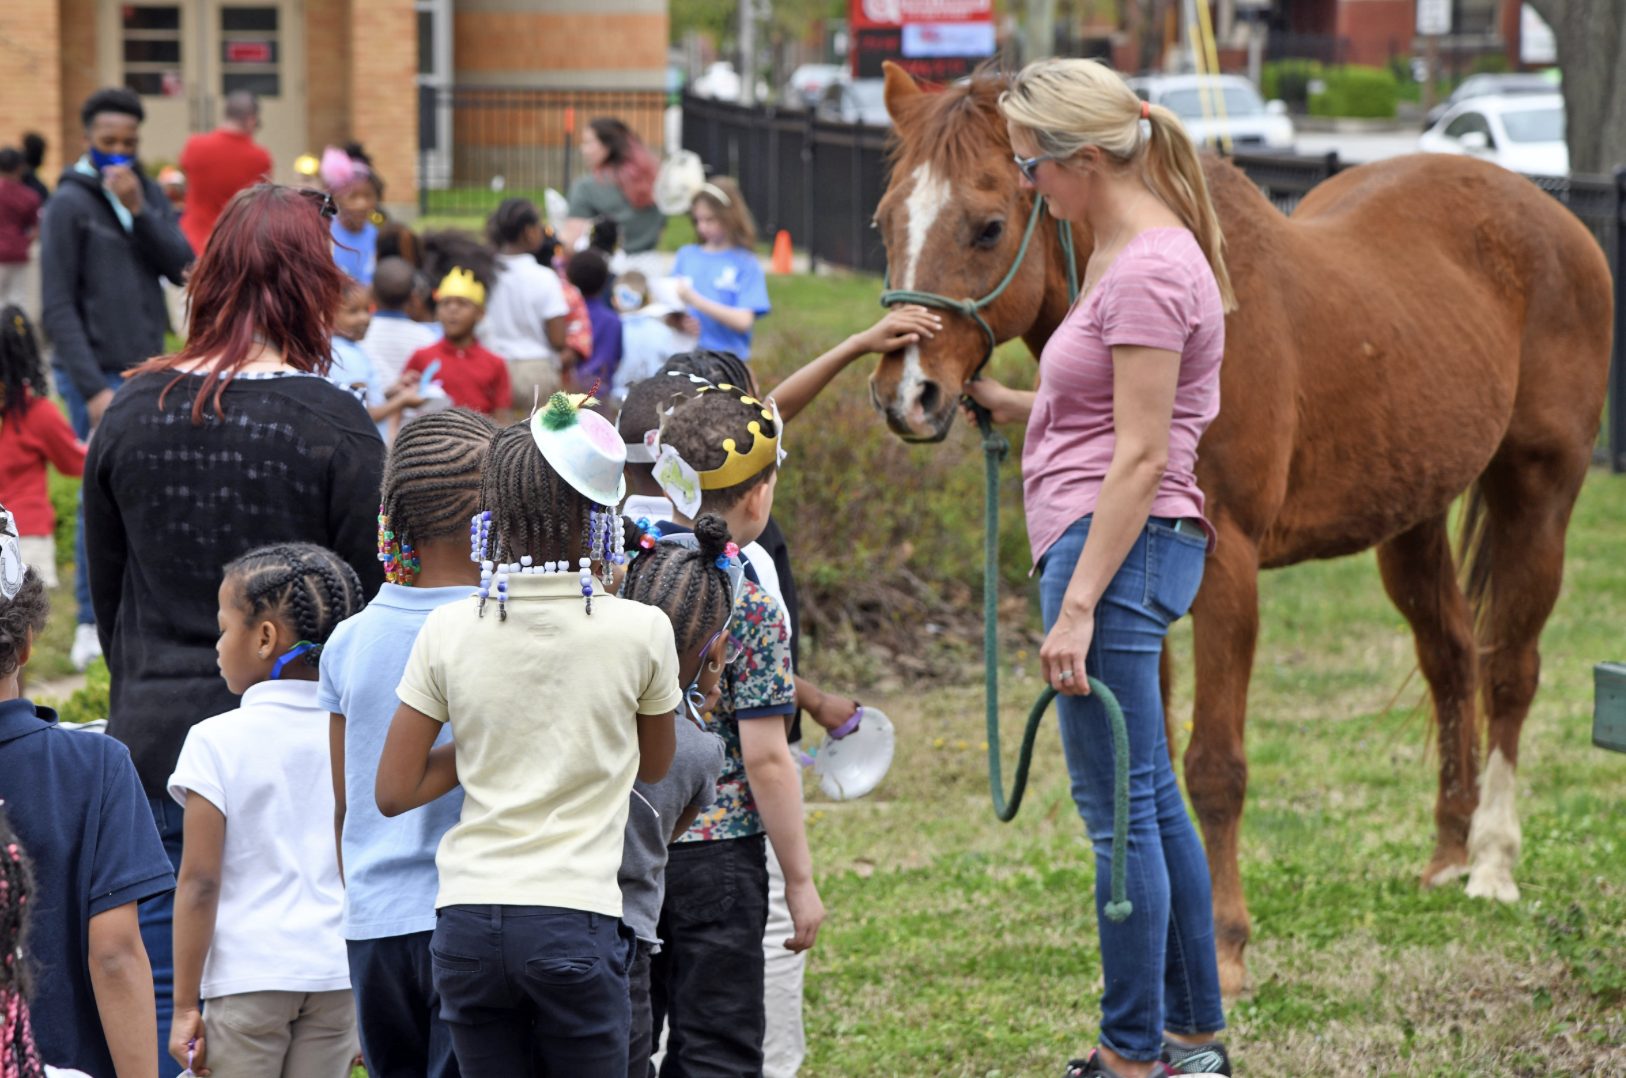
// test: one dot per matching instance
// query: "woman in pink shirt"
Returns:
(1127, 384)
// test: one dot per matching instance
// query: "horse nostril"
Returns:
(930, 397)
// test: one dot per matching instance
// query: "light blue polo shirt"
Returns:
(389, 864)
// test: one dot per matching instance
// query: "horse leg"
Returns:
(1527, 504)
(1420, 576)
(1225, 628)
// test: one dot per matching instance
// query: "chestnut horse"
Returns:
(1418, 329)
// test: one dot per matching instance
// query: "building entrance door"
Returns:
(184, 58)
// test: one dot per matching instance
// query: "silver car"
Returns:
(1217, 108)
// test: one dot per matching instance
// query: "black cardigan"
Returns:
(168, 504)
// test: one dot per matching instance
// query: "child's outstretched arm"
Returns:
(412, 771)
(898, 328)
(776, 783)
(197, 899)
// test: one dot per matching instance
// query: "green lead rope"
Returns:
(995, 448)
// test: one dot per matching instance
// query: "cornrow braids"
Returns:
(685, 583)
(697, 429)
(714, 366)
(431, 485)
(507, 224)
(19, 1057)
(27, 610)
(308, 588)
(534, 513)
(21, 367)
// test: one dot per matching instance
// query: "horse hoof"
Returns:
(1438, 874)
(1491, 882)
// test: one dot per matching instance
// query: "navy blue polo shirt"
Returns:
(76, 804)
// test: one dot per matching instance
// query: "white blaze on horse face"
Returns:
(1493, 836)
(926, 200)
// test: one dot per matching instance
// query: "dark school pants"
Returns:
(397, 1009)
(706, 983)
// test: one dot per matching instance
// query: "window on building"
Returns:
(250, 51)
(151, 48)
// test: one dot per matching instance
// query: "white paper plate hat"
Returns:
(856, 764)
(12, 566)
(582, 447)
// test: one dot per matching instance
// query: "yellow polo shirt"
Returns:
(543, 711)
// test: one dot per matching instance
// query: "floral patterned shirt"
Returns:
(758, 686)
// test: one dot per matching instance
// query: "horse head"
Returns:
(953, 219)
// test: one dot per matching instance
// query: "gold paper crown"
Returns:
(736, 467)
(460, 284)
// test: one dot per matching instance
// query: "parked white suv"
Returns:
(1212, 107)
(1523, 132)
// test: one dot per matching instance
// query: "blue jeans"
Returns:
(157, 919)
(397, 1010)
(1158, 965)
(534, 990)
(79, 417)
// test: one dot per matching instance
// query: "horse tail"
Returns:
(1474, 556)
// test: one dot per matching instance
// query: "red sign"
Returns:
(866, 14)
(937, 40)
(248, 52)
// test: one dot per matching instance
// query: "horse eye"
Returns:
(990, 233)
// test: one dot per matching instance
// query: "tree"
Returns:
(1591, 36)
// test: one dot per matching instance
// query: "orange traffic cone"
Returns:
(781, 252)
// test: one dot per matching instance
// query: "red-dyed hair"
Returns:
(267, 275)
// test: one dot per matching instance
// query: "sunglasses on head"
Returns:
(321, 200)
(1029, 166)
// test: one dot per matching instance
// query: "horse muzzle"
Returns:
(916, 408)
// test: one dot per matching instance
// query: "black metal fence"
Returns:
(818, 179)
(479, 144)
(822, 180)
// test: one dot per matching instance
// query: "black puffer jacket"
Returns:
(104, 307)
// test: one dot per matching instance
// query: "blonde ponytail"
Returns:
(1176, 176)
(1070, 104)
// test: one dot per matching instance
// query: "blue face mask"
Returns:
(103, 161)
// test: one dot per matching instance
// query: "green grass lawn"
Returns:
(957, 945)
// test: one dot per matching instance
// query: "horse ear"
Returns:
(899, 90)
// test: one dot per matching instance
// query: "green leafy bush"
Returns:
(1289, 81)
(64, 494)
(1355, 91)
(89, 703)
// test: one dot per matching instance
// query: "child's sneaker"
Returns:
(1192, 1059)
(86, 649)
(1096, 1067)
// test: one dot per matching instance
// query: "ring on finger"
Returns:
(1066, 675)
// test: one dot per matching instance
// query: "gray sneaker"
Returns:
(1194, 1059)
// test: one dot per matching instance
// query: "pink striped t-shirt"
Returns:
(1158, 293)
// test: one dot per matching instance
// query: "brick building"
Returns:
(326, 70)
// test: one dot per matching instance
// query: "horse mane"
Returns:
(952, 127)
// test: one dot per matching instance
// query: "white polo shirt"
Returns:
(268, 769)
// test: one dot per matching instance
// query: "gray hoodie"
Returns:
(104, 307)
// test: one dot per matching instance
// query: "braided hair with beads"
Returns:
(534, 513)
(686, 583)
(22, 370)
(307, 587)
(431, 485)
(19, 1058)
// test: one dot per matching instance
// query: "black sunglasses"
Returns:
(321, 200)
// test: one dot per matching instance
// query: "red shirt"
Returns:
(27, 443)
(473, 377)
(19, 220)
(217, 165)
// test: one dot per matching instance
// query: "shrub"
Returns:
(64, 494)
(1289, 81)
(91, 702)
(1355, 91)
